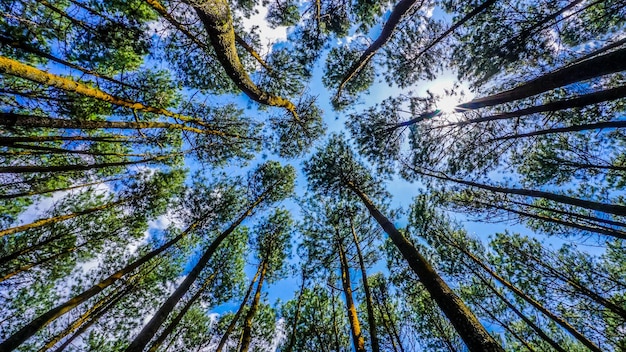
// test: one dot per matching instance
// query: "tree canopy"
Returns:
(280, 175)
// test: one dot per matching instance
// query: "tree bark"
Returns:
(355, 326)
(246, 336)
(371, 320)
(148, 331)
(233, 322)
(576, 128)
(598, 66)
(465, 323)
(294, 329)
(217, 20)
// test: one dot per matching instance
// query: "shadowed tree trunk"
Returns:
(576, 128)
(294, 328)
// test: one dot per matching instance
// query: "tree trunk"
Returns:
(465, 323)
(217, 20)
(294, 329)
(246, 336)
(174, 323)
(455, 26)
(576, 128)
(603, 207)
(233, 322)
(505, 327)
(371, 320)
(598, 66)
(355, 326)
(59, 218)
(34, 121)
(15, 68)
(148, 331)
(577, 102)
(13, 341)
(19, 169)
(8, 141)
(544, 336)
(565, 325)
(401, 8)
(64, 189)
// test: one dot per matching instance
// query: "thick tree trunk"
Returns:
(465, 323)
(15, 68)
(355, 326)
(177, 319)
(233, 322)
(565, 325)
(401, 8)
(246, 336)
(598, 66)
(603, 207)
(371, 320)
(148, 331)
(217, 20)
(13, 341)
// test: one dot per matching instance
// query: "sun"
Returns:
(447, 104)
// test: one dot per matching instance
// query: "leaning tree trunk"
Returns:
(465, 323)
(246, 336)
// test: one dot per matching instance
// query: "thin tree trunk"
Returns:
(396, 335)
(15, 68)
(565, 325)
(335, 328)
(13, 341)
(56, 219)
(598, 66)
(576, 128)
(8, 141)
(148, 331)
(179, 317)
(455, 26)
(217, 20)
(64, 189)
(46, 150)
(388, 323)
(20, 169)
(355, 326)
(246, 336)
(594, 229)
(233, 322)
(603, 207)
(401, 8)
(587, 218)
(542, 334)
(371, 320)
(505, 327)
(34, 121)
(31, 49)
(465, 323)
(294, 329)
